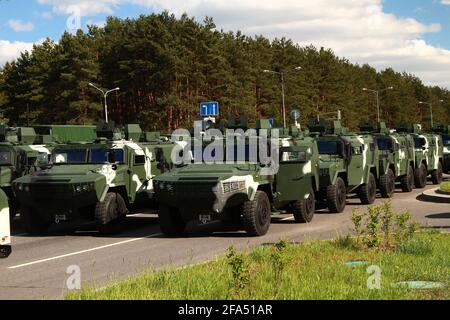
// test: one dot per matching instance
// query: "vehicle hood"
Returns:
(204, 172)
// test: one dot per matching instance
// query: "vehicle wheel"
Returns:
(420, 177)
(304, 209)
(32, 222)
(407, 181)
(436, 175)
(337, 196)
(368, 191)
(170, 220)
(110, 213)
(257, 215)
(387, 184)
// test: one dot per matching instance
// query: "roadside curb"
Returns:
(434, 196)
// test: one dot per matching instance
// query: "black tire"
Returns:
(420, 176)
(32, 222)
(337, 196)
(368, 191)
(387, 184)
(407, 181)
(110, 214)
(257, 215)
(304, 209)
(170, 220)
(437, 175)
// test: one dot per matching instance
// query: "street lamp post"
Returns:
(431, 110)
(282, 74)
(105, 97)
(377, 92)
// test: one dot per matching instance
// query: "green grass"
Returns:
(312, 270)
(445, 186)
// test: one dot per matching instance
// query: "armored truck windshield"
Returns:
(385, 144)
(446, 140)
(88, 156)
(330, 147)
(420, 142)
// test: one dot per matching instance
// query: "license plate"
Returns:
(59, 218)
(204, 219)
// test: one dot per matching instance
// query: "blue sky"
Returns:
(47, 23)
(426, 11)
(410, 35)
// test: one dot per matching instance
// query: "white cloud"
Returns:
(10, 50)
(82, 7)
(19, 26)
(356, 29)
(446, 2)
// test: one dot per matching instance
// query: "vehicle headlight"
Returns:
(26, 188)
(84, 187)
(162, 186)
(233, 186)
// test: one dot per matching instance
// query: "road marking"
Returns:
(84, 251)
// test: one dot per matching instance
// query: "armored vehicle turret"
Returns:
(428, 155)
(240, 187)
(97, 181)
(348, 164)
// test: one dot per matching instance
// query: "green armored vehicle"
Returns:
(444, 132)
(19, 156)
(98, 181)
(5, 228)
(348, 164)
(241, 188)
(396, 159)
(428, 153)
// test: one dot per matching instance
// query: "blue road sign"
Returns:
(209, 109)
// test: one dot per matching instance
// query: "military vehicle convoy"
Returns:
(348, 164)
(19, 156)
(428, 155)
(444, 132)
(396, 159)
(239, 190)
(97, 181)
(5, 229)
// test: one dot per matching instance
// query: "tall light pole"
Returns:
(105, 97)
(431, 110)
(282, 74)
(377, 92)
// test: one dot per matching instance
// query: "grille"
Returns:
(50, 191)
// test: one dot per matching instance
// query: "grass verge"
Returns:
(314, 270)
(445, 186)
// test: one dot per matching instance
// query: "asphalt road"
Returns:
(37, 269)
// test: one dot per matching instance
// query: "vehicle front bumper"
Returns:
(52, 200)
(196, 200)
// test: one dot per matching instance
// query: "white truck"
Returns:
(5, 229)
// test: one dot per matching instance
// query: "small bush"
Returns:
(381, 228)
(417, 246)
(239, 268)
